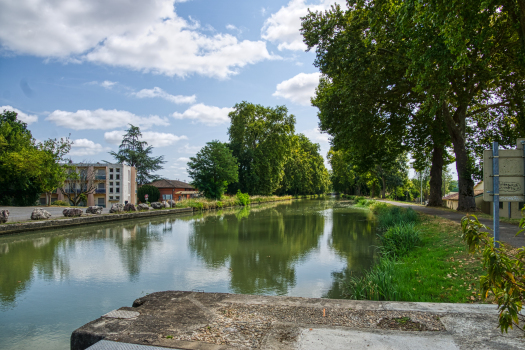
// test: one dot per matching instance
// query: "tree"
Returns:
(260, 140)
(79, 183)
(343, 176)
(136, 153)
(213, 168)
(28, 169)
(450, 60)
(152, 192)
(304, 170)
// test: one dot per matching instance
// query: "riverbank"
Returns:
(438, 269)
(190, 320)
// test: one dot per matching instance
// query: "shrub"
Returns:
(219, 204)
(399, 240)
(390, 216)
(152, 192)
(243, 198)
(60, 203)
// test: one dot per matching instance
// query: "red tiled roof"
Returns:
(165, 183)
(455, 196)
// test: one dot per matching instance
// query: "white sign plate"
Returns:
(511, 180)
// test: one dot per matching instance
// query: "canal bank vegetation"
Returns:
(241, 199)
(423, 259)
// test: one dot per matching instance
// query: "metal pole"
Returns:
(421, 183)
(510, 207)
(495, 172)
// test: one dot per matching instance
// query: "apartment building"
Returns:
(103, 184)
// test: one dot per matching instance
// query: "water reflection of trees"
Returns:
(354, 238)
(261, 246)
(46, 254)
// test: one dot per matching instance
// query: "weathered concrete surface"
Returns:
(83, 220)
(507, 231)
(216, 321)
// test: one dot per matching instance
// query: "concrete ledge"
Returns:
(219, 321)
(83, 220)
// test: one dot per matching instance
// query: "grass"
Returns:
(225, 202)
(438, 268)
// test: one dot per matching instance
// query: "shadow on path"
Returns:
(507, 232)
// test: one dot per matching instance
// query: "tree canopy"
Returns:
(28, 169)
(136, 153)
(390, 65)
(260, 140)
(213, 168)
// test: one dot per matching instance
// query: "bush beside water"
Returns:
(227, 201)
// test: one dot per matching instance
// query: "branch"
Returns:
(487, 107)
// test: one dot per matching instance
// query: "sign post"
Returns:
(146, 197)
(503, 178)
(495, 189)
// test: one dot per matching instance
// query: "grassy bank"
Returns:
(226, 202)
(423, 258)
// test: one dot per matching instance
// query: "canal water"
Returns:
(52, 282)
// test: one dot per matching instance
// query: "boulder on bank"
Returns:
(143, 206)
(156, 205)
(172, 203)
(166, 204)
(94, 209)
(39, 214)
(4, 215)
(130, 207)
(117, 208)
(68, 212)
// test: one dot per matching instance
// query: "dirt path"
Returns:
(507, 231)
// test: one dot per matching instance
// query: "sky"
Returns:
(86, 69)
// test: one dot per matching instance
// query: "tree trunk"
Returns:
(457, 126)
(383, 190)
(436, 179)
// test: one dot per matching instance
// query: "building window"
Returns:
(118, 177)
(111, 176)
(118, 170)
(521, 205)
(117, 190)
(111, 190)
(167, 196)
(110, 170)
(117, 183)
(101, 185)
(101, 201)
(110, 197)
(501, 205)
(111, 183)
(117, 197)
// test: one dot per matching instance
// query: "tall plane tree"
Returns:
(136, 153)
(456, 59)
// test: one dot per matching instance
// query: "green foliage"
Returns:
(220, 204)
(399, 240)
(505, 268)
(60, 203)
(136, 153)
(207, 204)
(152, 192)
(260, 139)
(304, 170)
(243, 198)
(26, 168)
(212, 169)
(391, 216)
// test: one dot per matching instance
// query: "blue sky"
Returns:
(174, 68)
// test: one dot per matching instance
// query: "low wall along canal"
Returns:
(54, 281)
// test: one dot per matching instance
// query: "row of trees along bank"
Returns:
(264, 157)
(423, 76)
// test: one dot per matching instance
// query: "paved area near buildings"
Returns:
(507, 231)
(24, 213)
(219, 321)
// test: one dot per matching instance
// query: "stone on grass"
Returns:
(4, 215)
(117, 208)
(156, 205)
(130, 207)
(172, 203)
(39, 214)
(143, 206)
(72, 212)
(94, 209)
(166, 204)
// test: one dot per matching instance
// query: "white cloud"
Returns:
(102, 119)
(85, 147)
(158, 92)
(187, 149)
(283, 27)
(183, 159)
(26, 118)
(141, 35)
(108, 84)
(209, 115)
(316, 136)
(298, 89)
(155, 139)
